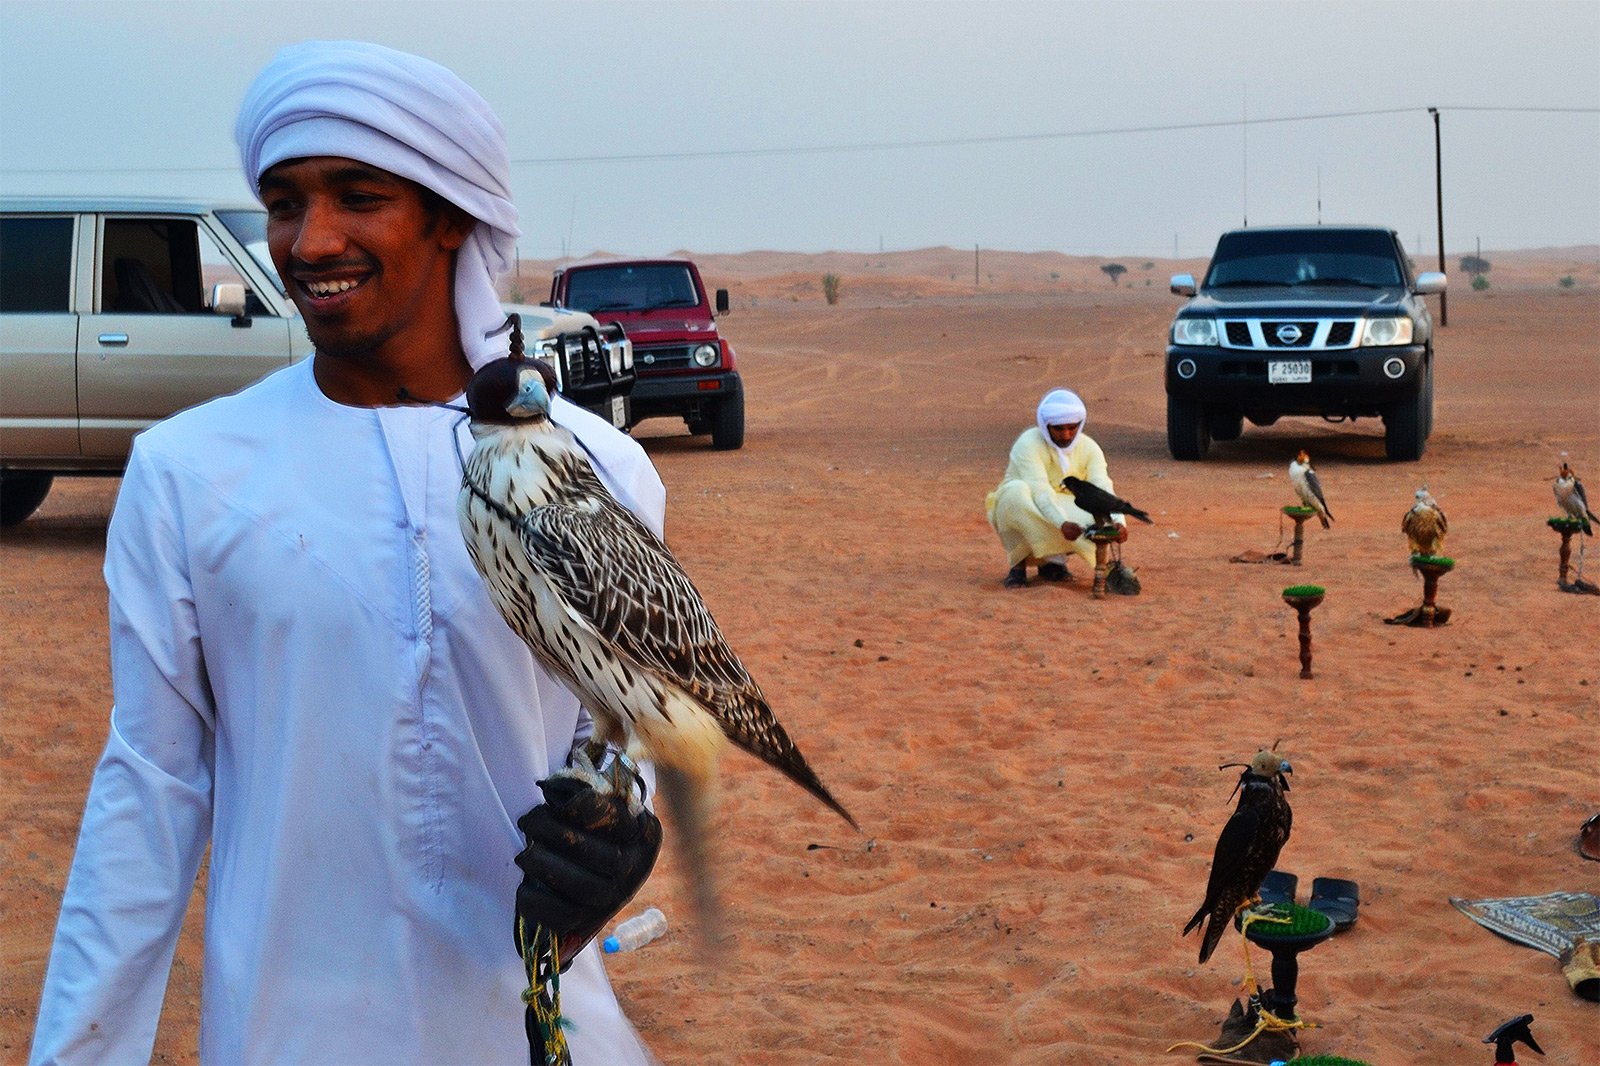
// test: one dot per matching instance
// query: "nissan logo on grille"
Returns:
(1288, 333)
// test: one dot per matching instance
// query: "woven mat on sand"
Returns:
(1550, 923)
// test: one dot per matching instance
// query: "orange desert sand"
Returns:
(1034, 771)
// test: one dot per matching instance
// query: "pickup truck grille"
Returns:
(668, 357)
(1278, 334)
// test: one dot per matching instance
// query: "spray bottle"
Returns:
(1504, 1040)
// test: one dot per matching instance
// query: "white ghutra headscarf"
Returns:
(1060, 408)
(411, 117)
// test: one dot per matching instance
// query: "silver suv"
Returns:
(115, 313)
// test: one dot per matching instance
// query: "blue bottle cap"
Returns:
(610, 945)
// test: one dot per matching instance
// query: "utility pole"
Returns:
(1438, 199)
(975, 280)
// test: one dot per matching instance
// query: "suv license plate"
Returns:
(619, 416)
(1289, 372)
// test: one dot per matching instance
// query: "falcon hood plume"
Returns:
(1570, 495)
(1309, 487)
(1248, 847)
(1101, 504)
(604, 605)
(1424, 524)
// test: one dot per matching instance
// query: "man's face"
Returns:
(364, 256)
(1064, 434)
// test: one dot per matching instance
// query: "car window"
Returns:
(36, 264)
(631, 288)
(217, 267)
(1305, 257)
(151, 266)
(249, 228)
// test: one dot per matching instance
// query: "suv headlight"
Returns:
(706, 355)
(1197, 331)
(1385, 332)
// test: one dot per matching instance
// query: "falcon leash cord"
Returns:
(541, 958)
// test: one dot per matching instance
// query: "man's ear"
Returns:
(454, 226)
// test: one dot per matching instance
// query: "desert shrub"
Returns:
(1474, 264)
(1480, 283)
(830, 288)
(1113, 271)
(1568, 281)
(1055, 275)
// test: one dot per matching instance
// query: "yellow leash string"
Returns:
(546, 1009)
(1265, 1019)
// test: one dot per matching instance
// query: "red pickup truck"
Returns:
(685, 368)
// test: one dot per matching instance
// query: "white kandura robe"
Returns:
(309, 675)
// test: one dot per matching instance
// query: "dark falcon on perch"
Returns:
(1248, 847)
(1100, 503)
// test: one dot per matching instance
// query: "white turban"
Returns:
(411, 117)
(1061, 408)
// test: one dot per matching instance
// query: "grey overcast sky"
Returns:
(723, 97)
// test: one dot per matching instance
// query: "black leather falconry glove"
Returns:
(589, 851)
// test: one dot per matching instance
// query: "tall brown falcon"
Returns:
(1424, 524)
(603, 604)
(1248, 847)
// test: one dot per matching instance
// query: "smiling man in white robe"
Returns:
(308, 673)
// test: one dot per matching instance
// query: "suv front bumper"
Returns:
(1345, 381)
(683, 395)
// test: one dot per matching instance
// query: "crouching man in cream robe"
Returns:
(1036, 518)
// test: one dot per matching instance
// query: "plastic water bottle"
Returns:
(636, 932)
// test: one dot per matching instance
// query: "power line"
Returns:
(874, 146)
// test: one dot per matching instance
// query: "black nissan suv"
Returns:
(1302, 320)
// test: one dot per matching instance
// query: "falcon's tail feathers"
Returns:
(689, 803)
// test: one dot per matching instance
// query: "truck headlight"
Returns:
(706, 355)
(1197, 331)
(1384, 332)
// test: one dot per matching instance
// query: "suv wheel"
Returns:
(21, 493)
(1224, 425)
(1405, 434)
(727, 424)
(1188, 435)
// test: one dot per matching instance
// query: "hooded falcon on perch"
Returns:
(605, 606)
(1424, 524)
(1248, 847)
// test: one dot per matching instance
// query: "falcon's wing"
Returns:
(1581, 497)
(1315, 485)
(617, 576)
(1233, 846)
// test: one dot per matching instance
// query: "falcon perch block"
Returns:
(1300, 516)
(1304, 598)
(1428, 614)
(1102, 537)
(1568, 528)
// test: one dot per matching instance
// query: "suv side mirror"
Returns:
(722, 301)
(1430, 282)
(1183, 284)
(227, 298)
